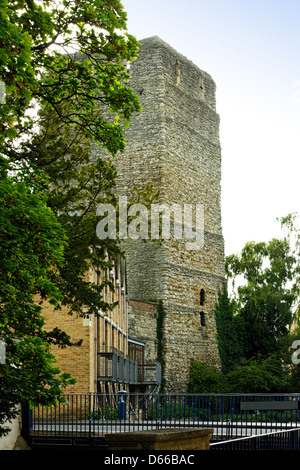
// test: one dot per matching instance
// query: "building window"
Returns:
(202, 297)
(202, 318)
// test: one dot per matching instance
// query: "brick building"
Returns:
(109, 359)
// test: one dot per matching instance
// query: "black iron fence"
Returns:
(231, 416)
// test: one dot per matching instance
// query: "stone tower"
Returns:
(174, 145)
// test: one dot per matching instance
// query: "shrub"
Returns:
(205, 379)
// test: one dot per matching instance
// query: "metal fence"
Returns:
(231, 416)
(280, 440)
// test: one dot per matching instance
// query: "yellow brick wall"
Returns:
(80, 361)
(77, 361)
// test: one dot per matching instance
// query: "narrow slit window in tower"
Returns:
(202, 296)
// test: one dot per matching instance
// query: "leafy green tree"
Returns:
(69, 55)
(78, 184)
(32, 243)
(81, 179)
(63, 65)
(229, 331)
(258, 375)
(78, 83)
(205, 379)
(268, 289)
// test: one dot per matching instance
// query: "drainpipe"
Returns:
(96, 344)
(96, 354)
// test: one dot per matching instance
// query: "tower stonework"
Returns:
(174, 145)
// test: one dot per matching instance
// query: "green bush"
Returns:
(254, 376)
(258, 376)
(205, 379)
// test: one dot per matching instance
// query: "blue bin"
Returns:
(122, 403)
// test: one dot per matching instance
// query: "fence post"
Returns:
(26, 428)
(90, 413)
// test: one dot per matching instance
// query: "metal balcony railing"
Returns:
(115, 368)
(149, 373)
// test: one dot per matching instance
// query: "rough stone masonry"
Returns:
(174, 145)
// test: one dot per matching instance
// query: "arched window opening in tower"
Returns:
(202, 319)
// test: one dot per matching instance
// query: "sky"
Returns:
(251, 49)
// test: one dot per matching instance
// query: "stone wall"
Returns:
(177, 439)
(174, 145)
(142, 324)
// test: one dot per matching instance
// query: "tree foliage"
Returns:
(257, 375)
(70, 56)
(258, 323)
(268, 289)
(205, 379)
(78, 184)
(32, 243)
(229, 331)
(79, 85)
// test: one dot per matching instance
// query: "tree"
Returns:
(268, 289)
(258, 375)
(32, 244)
(81, 179)
(205, 379)
(79, 79)
(70, 56)
(63, 67)
(229, 331)
(78, 184)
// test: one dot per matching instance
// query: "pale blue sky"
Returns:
(251, 49)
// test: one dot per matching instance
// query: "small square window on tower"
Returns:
(202, 319)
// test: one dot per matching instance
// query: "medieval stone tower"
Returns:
(174, 145)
